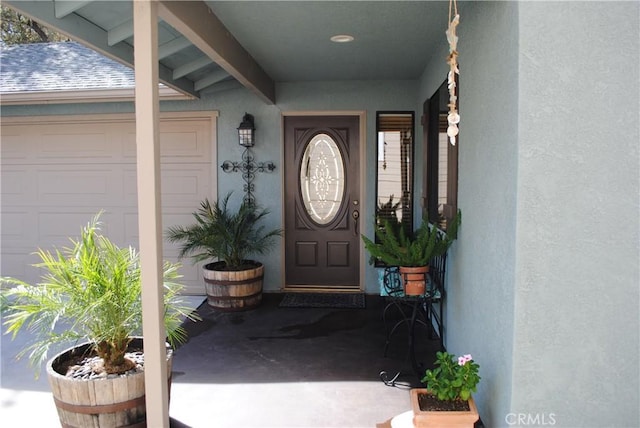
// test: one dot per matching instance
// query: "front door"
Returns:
(322, 208)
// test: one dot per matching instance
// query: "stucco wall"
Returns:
(543, 282)
(576, 325)
(481, 267)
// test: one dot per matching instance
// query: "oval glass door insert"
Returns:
(322, 178)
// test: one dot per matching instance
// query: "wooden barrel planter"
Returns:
(229, 290)
(117, 402)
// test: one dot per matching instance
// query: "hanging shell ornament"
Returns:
(454, 117)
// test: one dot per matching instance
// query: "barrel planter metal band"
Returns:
(233, 290)
(117, 402)
(99, 408)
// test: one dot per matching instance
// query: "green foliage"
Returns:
(452, 380)
(91, 291)
(396, 248)
(16, 28)
(388, 212)
(225, 235)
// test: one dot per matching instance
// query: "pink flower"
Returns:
(464, 359)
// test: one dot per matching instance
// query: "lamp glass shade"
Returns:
(246, 131)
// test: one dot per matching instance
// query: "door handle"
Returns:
(356, 215)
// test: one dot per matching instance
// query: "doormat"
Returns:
(323, 300)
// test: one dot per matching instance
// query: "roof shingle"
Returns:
(62, 66)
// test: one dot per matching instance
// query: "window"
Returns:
(394, 192)
(440, 197)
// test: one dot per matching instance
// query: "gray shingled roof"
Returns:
(63, 66)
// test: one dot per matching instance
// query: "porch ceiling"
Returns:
(216, 45)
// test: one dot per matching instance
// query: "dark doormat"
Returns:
(323, 300)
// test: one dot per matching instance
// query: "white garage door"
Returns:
(58, 172)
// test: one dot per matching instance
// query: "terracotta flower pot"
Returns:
(442, 418)
(414, 279)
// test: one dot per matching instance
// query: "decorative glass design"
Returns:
(322, 178)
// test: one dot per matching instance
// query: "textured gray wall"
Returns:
(576, 342)
(543, 282)
(481, 267)
(483, 277)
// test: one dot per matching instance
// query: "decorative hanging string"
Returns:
(453, 117)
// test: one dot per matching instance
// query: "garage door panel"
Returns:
(88, 186)
(181, 186)
(185, 140)
(181, 141)
(91, 142)
(15, 227)
(191, 274)
(129, 186)
(55, 228)
(57, 175)
(18, 263)
(10, 144)
(15, 183)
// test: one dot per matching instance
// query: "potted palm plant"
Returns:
(90, 296)
(233, 282)
(411, 252)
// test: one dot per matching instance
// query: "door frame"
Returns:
(362, 160)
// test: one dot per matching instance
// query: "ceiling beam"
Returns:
(192, 66)
(120, 32)
(212, 78)
(175, 45)
(225, 85)
(67, 7)
(203, 28)
(94, 37)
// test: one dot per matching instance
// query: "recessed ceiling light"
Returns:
(342, 38)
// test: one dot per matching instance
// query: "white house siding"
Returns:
(59, 171)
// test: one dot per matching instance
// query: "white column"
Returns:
(145, 17)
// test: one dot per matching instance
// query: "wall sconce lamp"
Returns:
(246, 131)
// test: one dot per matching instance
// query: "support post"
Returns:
(145, 14)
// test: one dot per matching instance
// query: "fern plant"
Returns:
(396, 247)
(90, 291)
(220, 233)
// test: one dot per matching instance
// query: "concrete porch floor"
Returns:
(268, 367)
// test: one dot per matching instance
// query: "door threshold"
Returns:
(321, 289)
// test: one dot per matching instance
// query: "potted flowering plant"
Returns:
(447, 399)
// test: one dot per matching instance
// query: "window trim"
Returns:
(433, 109)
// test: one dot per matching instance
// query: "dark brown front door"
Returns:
(323, 202)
